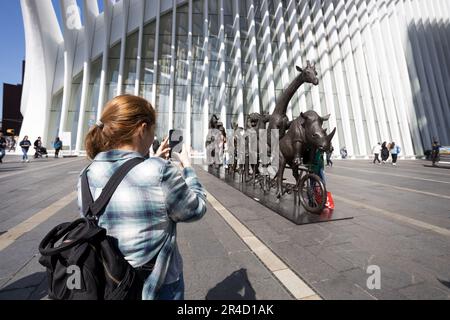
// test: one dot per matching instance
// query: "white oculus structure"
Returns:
(384, 65)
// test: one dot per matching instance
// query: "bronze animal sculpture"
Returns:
(278, 119)
(305, 133)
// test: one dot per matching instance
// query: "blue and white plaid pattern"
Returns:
(143, 212)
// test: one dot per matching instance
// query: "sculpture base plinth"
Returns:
(285, 206)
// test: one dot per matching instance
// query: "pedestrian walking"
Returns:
(344, 153)
(436, 146)
(25, 144)
(3, 145)
(12, 146)
(384, 153)
(58, 145)
(395, 151)
(329, 155)
(153, 198)
(376, 150)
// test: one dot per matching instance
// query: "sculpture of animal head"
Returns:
(309, 73)
(213, 122)
(257, 121)
(315, 135)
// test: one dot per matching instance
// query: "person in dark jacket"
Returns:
(3, 145)
(329, 155)
(435, 151)
(384, 152)
(58, 145)
(25, 144)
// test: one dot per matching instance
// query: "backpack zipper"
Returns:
(105, 267)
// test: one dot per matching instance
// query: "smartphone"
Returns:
(175, 141)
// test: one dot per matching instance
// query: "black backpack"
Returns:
(83, 262)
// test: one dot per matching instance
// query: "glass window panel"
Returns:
(73, 113)
(198, 6)
(183, 8)
(227, 7)
(165, 43)
(213, 7)
(147, 71)
(165, 26)
(148, 47)
(146, 91)
(55, 117)
(182, 23)
(150, 28)
(181, 70)
(162, 110)
(130, 71)
(197, 48)
(182, 47)
(197, 75)
(164, 71)
(213, 26)
(197, 24)
(131, 51)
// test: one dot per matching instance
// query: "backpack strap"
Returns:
(93, 208)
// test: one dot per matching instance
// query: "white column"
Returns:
(222, 53)
(70, 42)
(395, 78)
(90, 10)
(137, 83)
(189, 80)
(402, 82)
(296, 56)
(443, 16)
(371, 65)
(361, 71)
(325, 66)
(440, 60)
(205, 73)
(347, 54)
(417, 64)
(238, 65)
(431, 70)
(123, 45)
(268, 74)
(311, 53)
(172, 64)
(338, 72)
(384, 75)
(156, 55)
(281, 36)
(256, 108)
(107, 12)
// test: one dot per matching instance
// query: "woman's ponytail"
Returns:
(94, 142)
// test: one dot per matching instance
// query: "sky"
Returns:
(12, 42)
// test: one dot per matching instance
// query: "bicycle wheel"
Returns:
(312, 193)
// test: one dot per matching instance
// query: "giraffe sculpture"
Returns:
(278, 119)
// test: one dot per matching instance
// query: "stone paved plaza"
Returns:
(401, 224)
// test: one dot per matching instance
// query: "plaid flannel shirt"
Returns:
(143, 212)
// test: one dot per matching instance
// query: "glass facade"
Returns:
(231, 58)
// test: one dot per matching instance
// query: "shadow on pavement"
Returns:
(32, 287)
(445, 283)
(235, 287)
(8, 169)
(436, 167)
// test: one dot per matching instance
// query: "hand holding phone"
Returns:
(163, 150)
(175, 141)
(183, 157)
